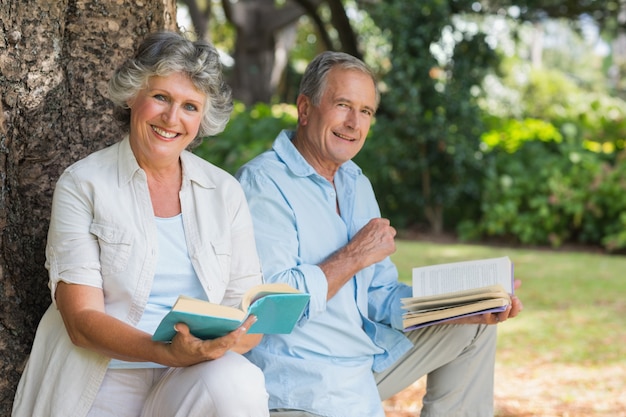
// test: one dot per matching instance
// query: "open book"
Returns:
(448, 291)
(277, 307)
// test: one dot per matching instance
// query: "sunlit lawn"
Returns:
(574, 303)
(574, 307)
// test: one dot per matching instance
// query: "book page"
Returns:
(484, 293)
(205, 308)
(412, 319)
(460, 276)
(261, 290)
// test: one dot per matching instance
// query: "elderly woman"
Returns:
(132, 227)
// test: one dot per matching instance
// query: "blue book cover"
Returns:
(278, 308)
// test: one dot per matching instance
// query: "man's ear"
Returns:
(303, 104)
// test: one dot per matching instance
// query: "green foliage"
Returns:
(514, 133)
(424, 148)
(248, 133)
(557, 175)
(531, 155)
(518, 198)
(541, 191)
(588, 117)
(607, 203)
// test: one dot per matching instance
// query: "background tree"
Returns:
(609, 15)
(555, 128)
(438, 61)
(262, 29)
(602, 11)
(264, 32)
(55, 60)
(427, 132)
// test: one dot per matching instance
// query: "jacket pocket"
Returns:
(222, 251)
(115, 246)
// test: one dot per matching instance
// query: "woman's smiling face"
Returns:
(165, 118)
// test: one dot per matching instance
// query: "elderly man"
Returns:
(318, 227)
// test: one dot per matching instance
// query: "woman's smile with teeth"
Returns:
(164, 133)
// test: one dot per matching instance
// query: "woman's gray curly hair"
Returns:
(164, 53)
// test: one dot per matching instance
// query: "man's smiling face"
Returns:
(334, 131)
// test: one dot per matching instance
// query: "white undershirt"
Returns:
(174, 276)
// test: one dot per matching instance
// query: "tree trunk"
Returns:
(55, 61)
(258, 24)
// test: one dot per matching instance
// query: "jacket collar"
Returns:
(191, 164)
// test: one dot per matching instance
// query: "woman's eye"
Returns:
(160, 97)
(190, 107)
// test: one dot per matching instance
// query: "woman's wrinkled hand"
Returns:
(187, 350)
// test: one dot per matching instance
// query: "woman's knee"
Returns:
(233, 372)
(227, 387)
(236, 387)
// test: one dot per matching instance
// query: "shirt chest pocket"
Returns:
(213, 266)
(115, 247)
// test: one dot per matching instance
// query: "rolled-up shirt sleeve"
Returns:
(72, 250)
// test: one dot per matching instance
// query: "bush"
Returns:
(248, 133)
(546, 192)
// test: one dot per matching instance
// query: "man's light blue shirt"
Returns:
(325, 365)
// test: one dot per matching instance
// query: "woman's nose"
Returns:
(170, 115)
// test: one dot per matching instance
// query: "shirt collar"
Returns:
(127, 164)
(284, 148)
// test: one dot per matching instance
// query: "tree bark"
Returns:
(341, 22)
(258, 24)
(265, 34)
(200, 17)
(55, 61)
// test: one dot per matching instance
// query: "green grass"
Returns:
(574, 303)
